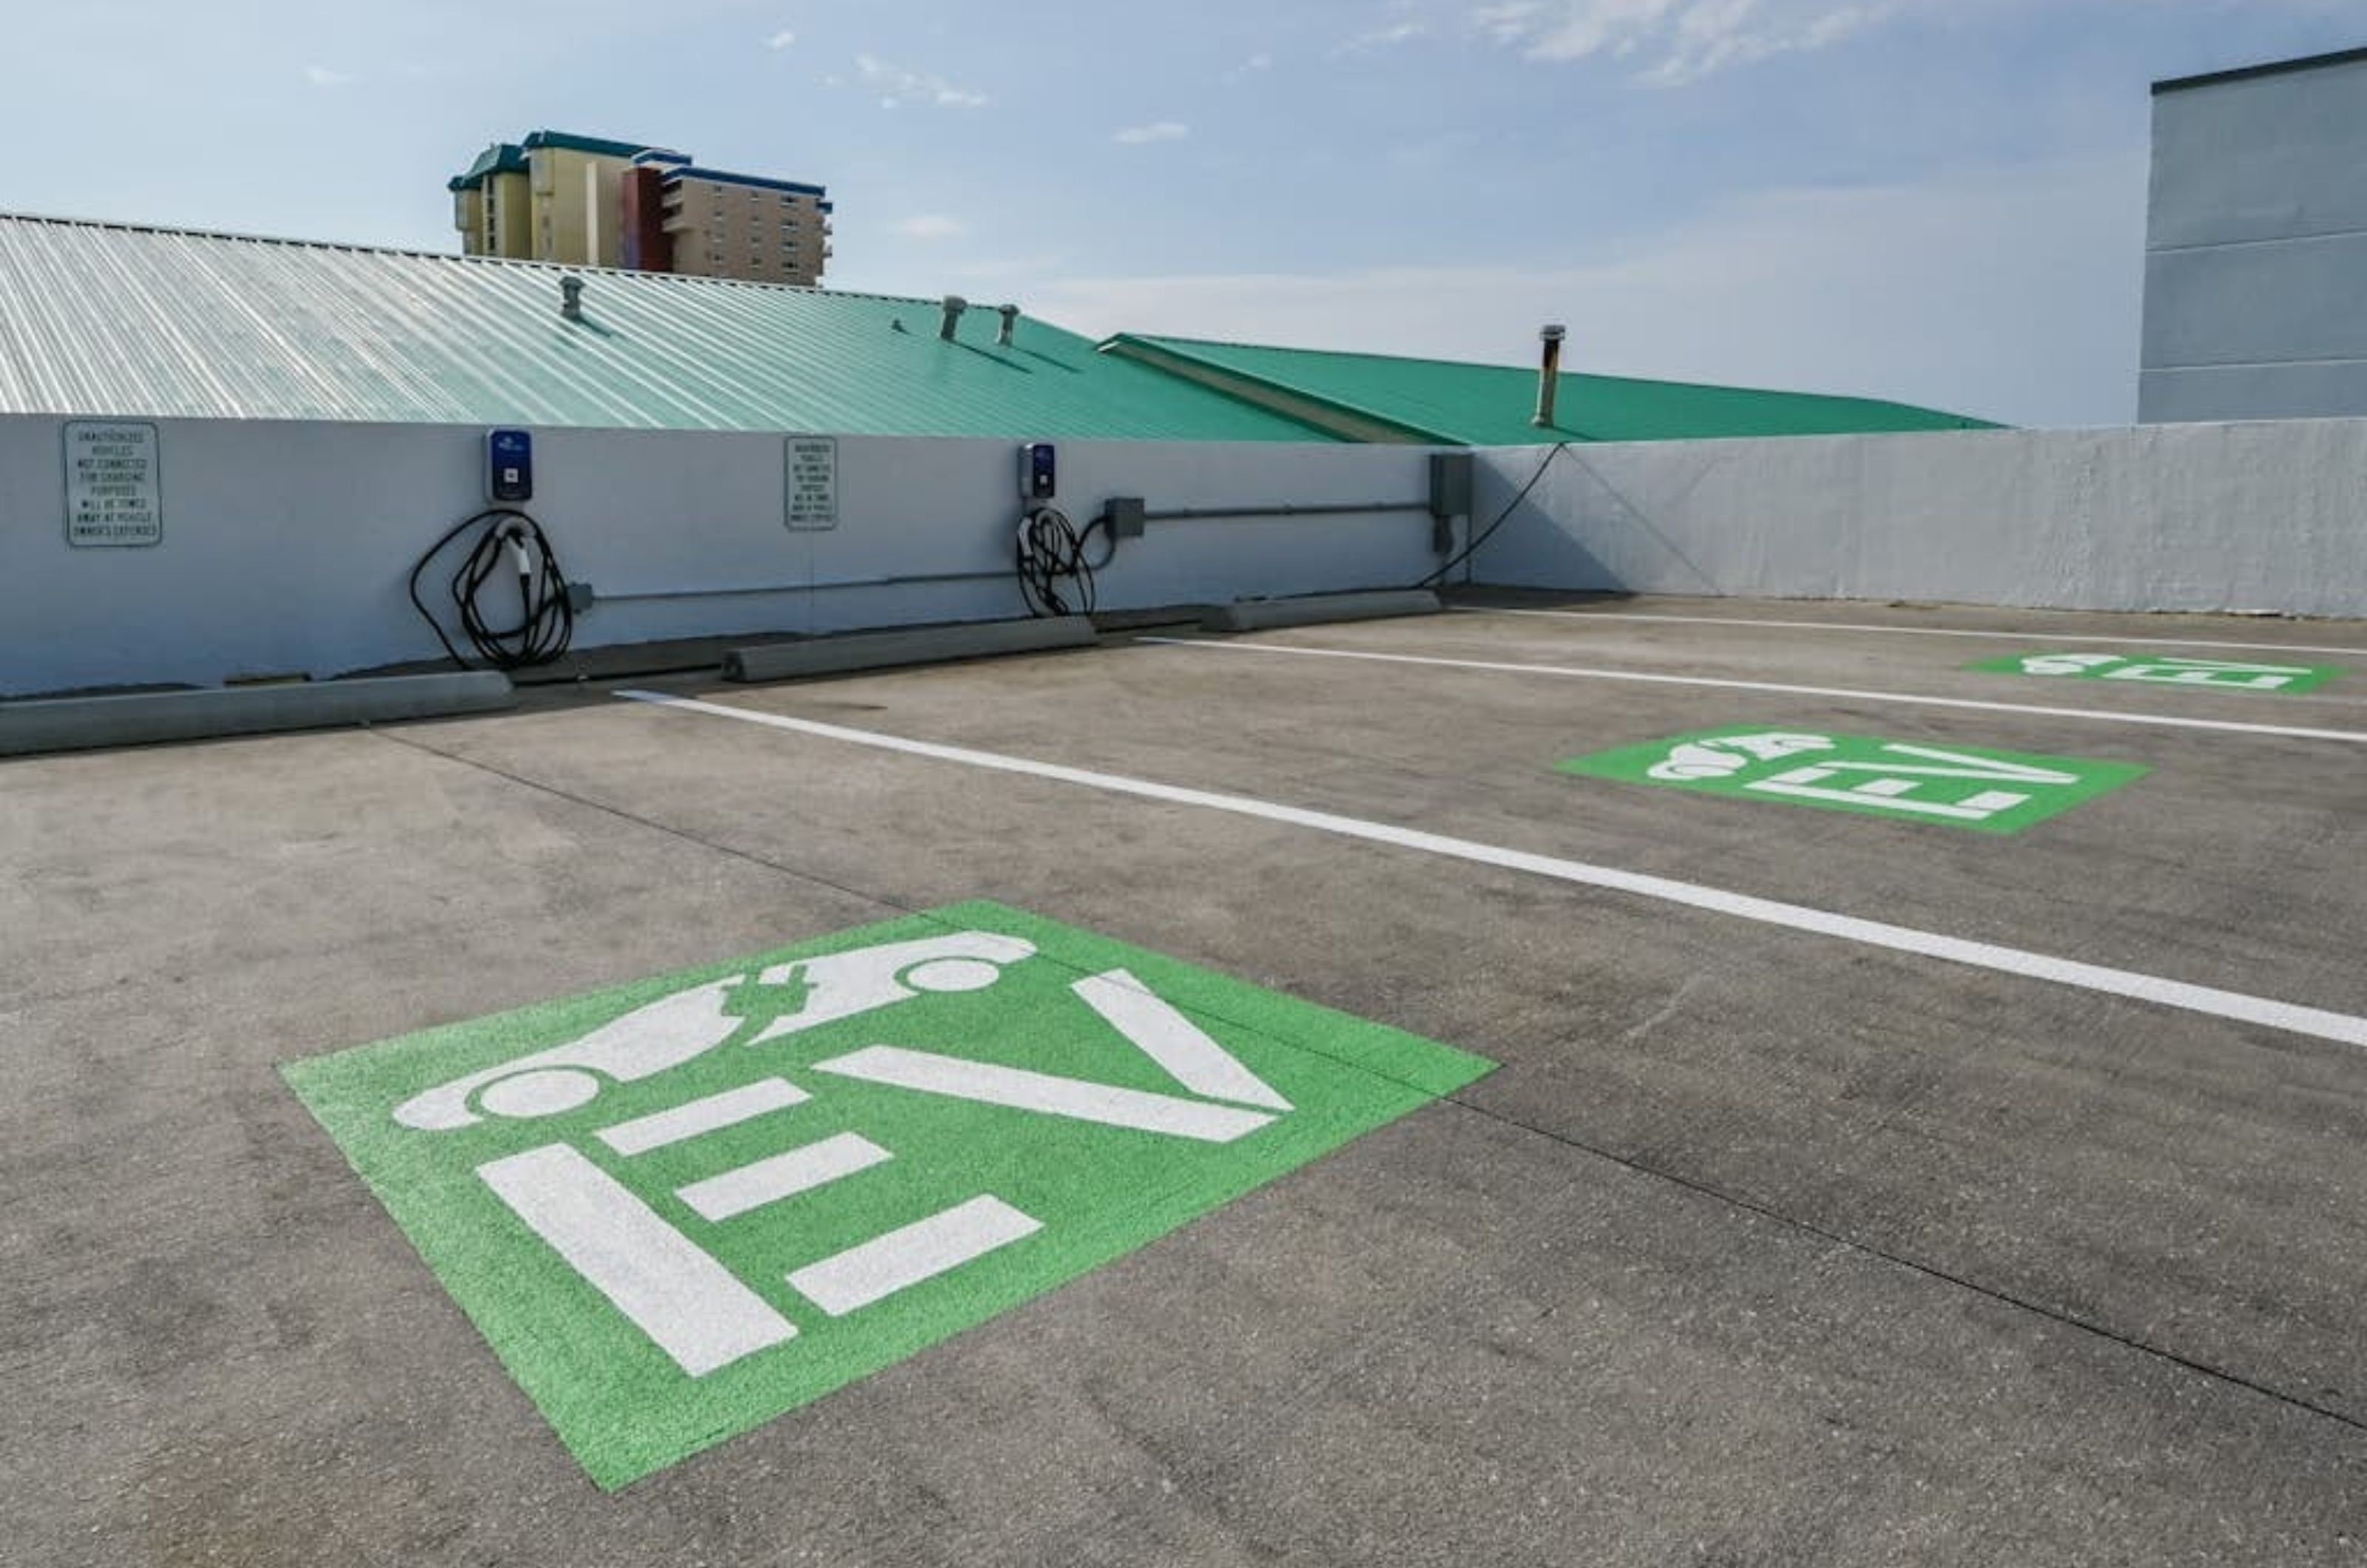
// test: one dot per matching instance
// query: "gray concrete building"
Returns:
(2256, 245)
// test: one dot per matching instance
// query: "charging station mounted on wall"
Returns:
(1053, 578)
(510, 547)
(509, 466)
(1038, 473)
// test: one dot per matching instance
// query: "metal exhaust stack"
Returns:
(1548, 375)
(955, 305)
(1009, 314)
(570, 298)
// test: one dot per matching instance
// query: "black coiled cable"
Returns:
(546, 617)
(1052, 553)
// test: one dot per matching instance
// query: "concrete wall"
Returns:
(2256, 248)
(286, 545)
(2266, 517)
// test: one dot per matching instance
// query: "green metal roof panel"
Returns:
(99, 319)
(1490, 405)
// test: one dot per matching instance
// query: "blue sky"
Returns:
(1936, 200)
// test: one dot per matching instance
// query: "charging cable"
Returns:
(1054, 576)
(546, 622)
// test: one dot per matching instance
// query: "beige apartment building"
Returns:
(587, 202)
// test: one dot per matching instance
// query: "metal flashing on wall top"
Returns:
(719, 176)
(2267, 68)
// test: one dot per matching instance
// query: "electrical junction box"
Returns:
(1450, 485)
(1038, 472)
(1450, 496)
(509, 466)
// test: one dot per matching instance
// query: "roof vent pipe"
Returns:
(955, 306)
(1009, 314)
(570, 298)
(1548, 375)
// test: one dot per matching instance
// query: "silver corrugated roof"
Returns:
(112, 319)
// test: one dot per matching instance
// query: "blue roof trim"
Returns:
(501, 158)
(722, 176)
(567, 142)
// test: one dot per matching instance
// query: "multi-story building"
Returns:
(587, 202)
(2256, 245)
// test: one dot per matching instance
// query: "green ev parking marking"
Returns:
(2167, 670)
(681, 1207)
(1962, 786)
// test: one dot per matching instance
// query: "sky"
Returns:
(1939, 201)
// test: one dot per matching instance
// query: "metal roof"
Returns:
(1382, 397)
(115, 319)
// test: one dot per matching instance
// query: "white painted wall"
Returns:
(286, 545)
(2256, 516)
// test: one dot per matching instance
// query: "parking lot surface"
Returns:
(1842, 1107)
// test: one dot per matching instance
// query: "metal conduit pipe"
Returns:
(1176, 515)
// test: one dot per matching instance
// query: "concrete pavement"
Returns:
(1764, 1245)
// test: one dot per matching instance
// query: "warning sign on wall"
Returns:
(813, 481)
(114, 493)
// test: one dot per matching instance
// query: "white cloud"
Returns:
(1384, 37)
(898, 83)
(2010, 293)
(322, 76)
(1676, 41)
(928, 226)
(1158, 130)
(781, 40)
(998, 269)
(1508, 23)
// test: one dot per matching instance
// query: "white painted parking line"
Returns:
(2134, 639)
(2343, 1028)
(2160, 721)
